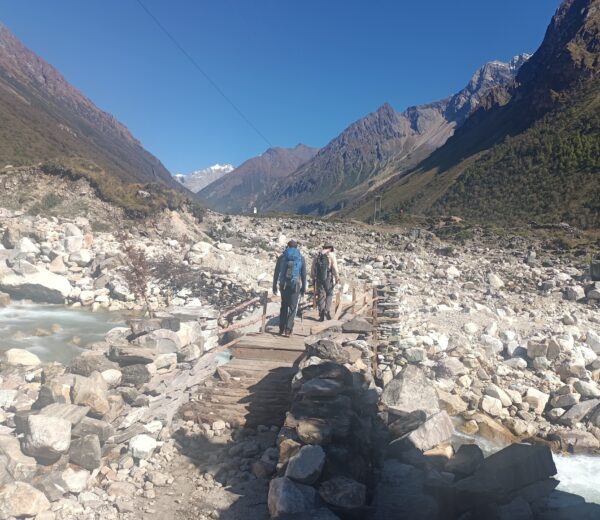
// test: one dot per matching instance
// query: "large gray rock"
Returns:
(89, 362)
(19, 499)
(86, 452)
(560, 505)
(91, 392)
(587, 388)
(343, 492)
(71, 412)
(19, 357)
(36, 284)
(56, 390)
(574, 293)
(400, 493)
(76, 480)
(18, 465)
(513, 468)
(318, 387)
(51, 484)
(305, 467)
(328, 349)
(142, 446)
(593, 340)
(140, 327)
(409, 391)
(90, 426)
(46, 438)
(357, 326)
(579, 411)
(517, 509)
(161, 341)
(577, 441)
(11, 237)
(287, 497)
(136, 375)
(434, 431)
(450, 367)
(126, 354)
(467, 459)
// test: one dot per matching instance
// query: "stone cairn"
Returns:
(326, 444)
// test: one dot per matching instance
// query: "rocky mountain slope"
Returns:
(531, 150)
(239, 190)
(199, 179)
(45, 118)
(361, 155)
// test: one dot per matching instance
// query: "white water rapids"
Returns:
(578, 474)
(24, 325)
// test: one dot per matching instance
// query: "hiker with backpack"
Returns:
(290, 279)
(325, 276)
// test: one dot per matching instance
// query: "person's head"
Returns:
(292, 243)
(328, 247)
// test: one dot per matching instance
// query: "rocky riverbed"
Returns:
(502, 332)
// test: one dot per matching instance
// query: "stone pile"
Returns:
(85, 438)
(326, 446)
(390, 310)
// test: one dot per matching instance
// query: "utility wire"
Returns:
(203, 72)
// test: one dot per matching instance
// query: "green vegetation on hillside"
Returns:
(550, 172)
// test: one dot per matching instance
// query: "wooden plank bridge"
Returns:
(254, 387)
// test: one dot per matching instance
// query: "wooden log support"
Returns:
(374, 312)
(264, 301)
(338, 305)
(241, 306)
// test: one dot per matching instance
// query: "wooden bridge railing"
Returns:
(357, 306)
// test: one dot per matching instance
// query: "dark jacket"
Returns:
(278, 271)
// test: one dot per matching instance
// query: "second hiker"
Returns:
(325, 277)
(290, 278)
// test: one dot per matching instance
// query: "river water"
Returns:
(53, 332)
(578, 474)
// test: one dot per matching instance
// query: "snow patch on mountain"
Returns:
(199, 179)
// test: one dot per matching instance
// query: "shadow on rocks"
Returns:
(230, 434)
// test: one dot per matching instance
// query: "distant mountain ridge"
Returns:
(45, 118)
(531, 149)
(238, 191)
(348, 166)
(199, 179)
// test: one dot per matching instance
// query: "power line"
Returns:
(203, 72)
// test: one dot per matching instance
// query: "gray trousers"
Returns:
(290, 298)
(324, 297)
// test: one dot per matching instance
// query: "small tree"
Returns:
(137, 272)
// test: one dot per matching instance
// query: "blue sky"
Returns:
(301, 71)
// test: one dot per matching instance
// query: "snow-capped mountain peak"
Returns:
(199, 179)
